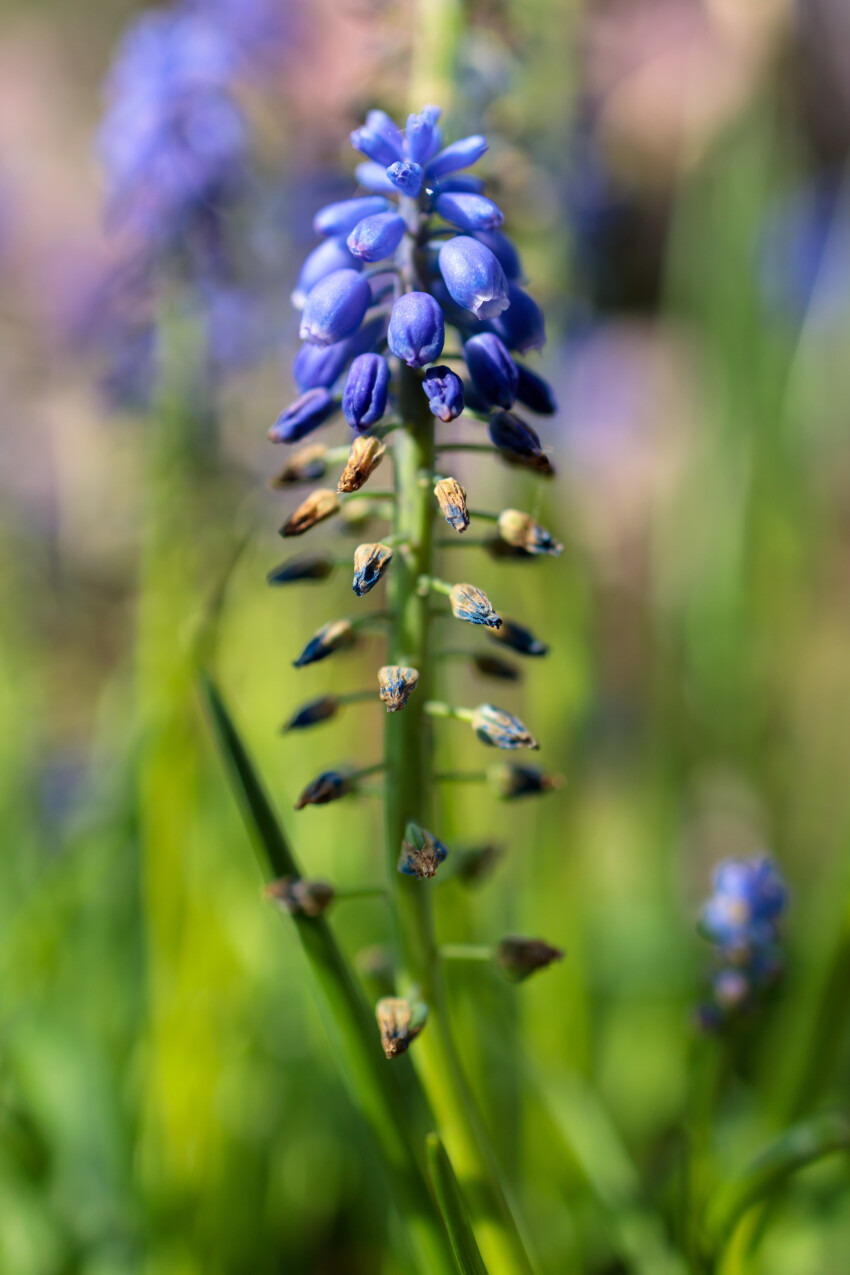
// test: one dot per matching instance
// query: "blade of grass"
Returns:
(390, 1099)
(453, 1208)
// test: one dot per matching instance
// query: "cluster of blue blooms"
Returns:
(422, 251)
(742, 919)
(174, 148)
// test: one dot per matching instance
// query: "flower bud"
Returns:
(396, 684)
(461, 154)
(335, 307)
(465, 185)
(444, 389)
(303, 416)
(421, 853)
(473, 276)
(535, 393)
(327, 787)
(510, 781)
(331, 254)
(399, 1024)
(373, 145)
(422, 135)
(473, 605)
(333, 636)
(370, 565)
(364, 398)
(518, 958)
(340, 218)
(468, 212)
(492, 369)
(452, 500)
(316, 365)
(314, 566)
(519, 639)
(518, 443)
(307, 465)
(500, 729)
(317, 710)
(406, 177)
(417, 331)
(503, 250)
(492, 666)
(523, 532)
(299, 897)
(364, 458)
(319, 505)
(521, 326)
(375, 238)
(374, 177)
(473, 865)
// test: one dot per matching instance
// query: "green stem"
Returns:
(465, 952)
(439, 708)
(360, 892)
(409, 782)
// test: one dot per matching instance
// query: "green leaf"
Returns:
(453, 1208)
(388, 1093)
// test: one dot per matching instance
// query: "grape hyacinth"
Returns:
(741, 920)
(412, 321)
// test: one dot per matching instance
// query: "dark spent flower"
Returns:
(333, 636)
(519, 639)
(399, 1023)
(510, 781)
(307, 465)
(535, 393)
(451, 498)
(473, 865)
(521, 531)
(444, 390)
(317, 710)
(518, 443)
(327, 787)
(364, 458)
(370, 566)
(315, 566)
(493, 371)
(299, 897)
(396, 685)
(493, 666)
(421, 853)
(521, 325)
(319, 505)
(518, 957)
(500, 729)
(473, 605)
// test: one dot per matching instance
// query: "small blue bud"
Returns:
(518, 443)
(321, 365)
(444, 389)
(469, 212)
(417, 331)
(493, 371)
(364, 398)
(467, 185)
(461, 154)
(374, 177)
(335, 308)
(500, 729)
(380, 138)
(303, 416)
(370, 566)
(331, 254)
(474, 277)
(310, 714)
(521, 326)
(504, 251)
(422, 136)
(535, 393)
(405, 176)
(341, 218)
(375, 238)
(314, 566)
(327, 787)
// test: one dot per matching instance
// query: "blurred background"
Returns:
(673, 172)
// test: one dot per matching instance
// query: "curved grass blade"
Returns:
(799, 1146)
(388, 1095)
(453, 1208)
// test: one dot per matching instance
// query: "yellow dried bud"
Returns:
(521, 531)
(451, 498)
(364, 458)
(318, 506)
(396, 685)
(307, 465)
(399, 1023)
(370, 564)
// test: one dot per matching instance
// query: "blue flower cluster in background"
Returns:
(741, 919)
(424, 220)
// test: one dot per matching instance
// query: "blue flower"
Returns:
(534, 392)
(307, 413)
(375, 177)
(341, 218)
(469, 212)
(330, 255)
(461, 154)
(335, 307)
(473, 276)
(518, 442)
(417, 331)
(493, 371)
(364, 398)
(377, 237)
(422, 136)
(504, 251)
(405, 176)
(379, 139)
(444, 390)
(323, 364)
(521, 326)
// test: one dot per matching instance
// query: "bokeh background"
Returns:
(674, 174)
